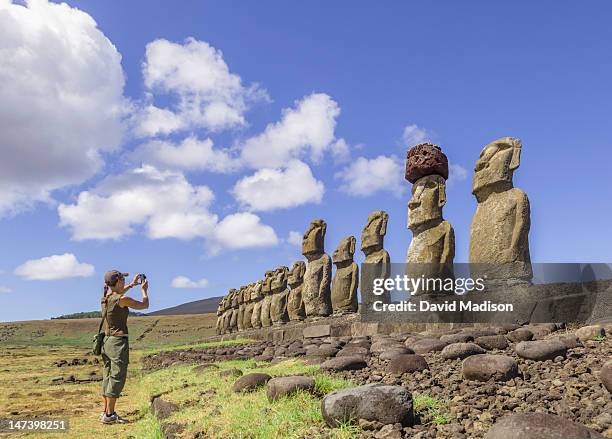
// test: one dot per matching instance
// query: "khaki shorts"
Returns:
(116, 356)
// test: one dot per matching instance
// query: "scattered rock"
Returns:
(605, 375)
(457, 338)
(486, 366)
(163, 409)
(461, 350)
(282, 386)
(540, 426)
(540, 350)
(407, 363)
(232, 372)
(590, 332)
(250, 382)
(344, 363)
(372, 402)
(521, 334)
(490, 342)
(427, 345)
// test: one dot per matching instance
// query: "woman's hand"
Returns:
(145, 287)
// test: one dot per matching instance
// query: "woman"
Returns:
(115, 350)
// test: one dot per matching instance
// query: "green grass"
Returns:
(425, 404)
(210, 344)
(599, 338)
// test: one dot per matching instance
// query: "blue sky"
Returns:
(189, 139)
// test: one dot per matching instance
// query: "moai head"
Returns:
(425, 159)
(428, 198)
(266, 288)
(296, 275)
(495, 166)
(256, 291)
(345, 250)
(313, 242)
(279, 280)
(373, 234)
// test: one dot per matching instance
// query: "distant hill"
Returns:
(89, 315)
(203, 306)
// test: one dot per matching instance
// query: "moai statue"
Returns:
(346, 278)
(500, 228)
(377, 263)
(316, 291)
(241, 305)
(227, 318)
(248, 307)
(219, 325)
(278, 309)
(266, 302)
(295, 304)
(432, 249)
(234, 311)
(256, 297)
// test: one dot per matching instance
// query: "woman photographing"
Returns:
(115, 350)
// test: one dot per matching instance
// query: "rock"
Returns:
(325, 350)
(163, 409)
(250, 382)
(483, 367)
(520, 334)
(407, 363)
(457, 338)
(392, 353)
(372, 402)
(461, 350)
(344, 363)
(590, 332)
(540, 426)
(353, 351)
(425, 159)
(569, 340)
(605, 375)
(489, 342)
(540, 350)
(172, 430)
(427, 345)
(282, 386)
(232, 372)
(385, 345)
(389, 431)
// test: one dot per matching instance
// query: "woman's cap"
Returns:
(111, 277)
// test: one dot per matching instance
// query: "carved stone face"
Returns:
(314, 238)
(428, 198)
(296, 275)
(279, 280)
(373, 234)
(496, 164)
(233, 302)
(345, 250)
(256, 291)
(266, 289)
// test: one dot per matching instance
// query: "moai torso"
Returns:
(248, 308)
(278, 308)
(344, 284)
(499, 233)
(266, 302)
(234, 312)
(295, 304)
(240, 309)
(256, 298)
(316, 291)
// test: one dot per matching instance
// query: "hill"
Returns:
(89, 315)
(204, 306)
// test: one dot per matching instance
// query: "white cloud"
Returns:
(185, 282)
(54, 267)
(340, 151)
(164, 202)
(61, 100)
(309, 127)
(191, 154)
(241, 230)
(294, 238)
(456, 173)
(413, 135)
(270, 189)
(5, 290)
(194, 74)
(364, 176)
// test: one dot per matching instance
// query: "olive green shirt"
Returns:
(116, 316)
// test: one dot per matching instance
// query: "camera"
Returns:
(142, 278)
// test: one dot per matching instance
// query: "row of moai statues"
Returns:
(307, 290)
(498, 238)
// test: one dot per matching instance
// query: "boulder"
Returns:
(569, 340)
(427, 345)
(457, 338)
(483, 367)
(461, 350)
(490, 342)
(384, 345)
(344, 363)
(231, 372)
(590, 332)
(372, 402)
(250, 382)
(407, 363)
(540, 426)
(351, 351)
(520, 334)
(425, 159)
(282, 386)
(540, 350)
(394, 352)
(605, 375)
(163, 409)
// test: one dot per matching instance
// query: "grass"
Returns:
(209, 344)
(599, 338)
(425, 404)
